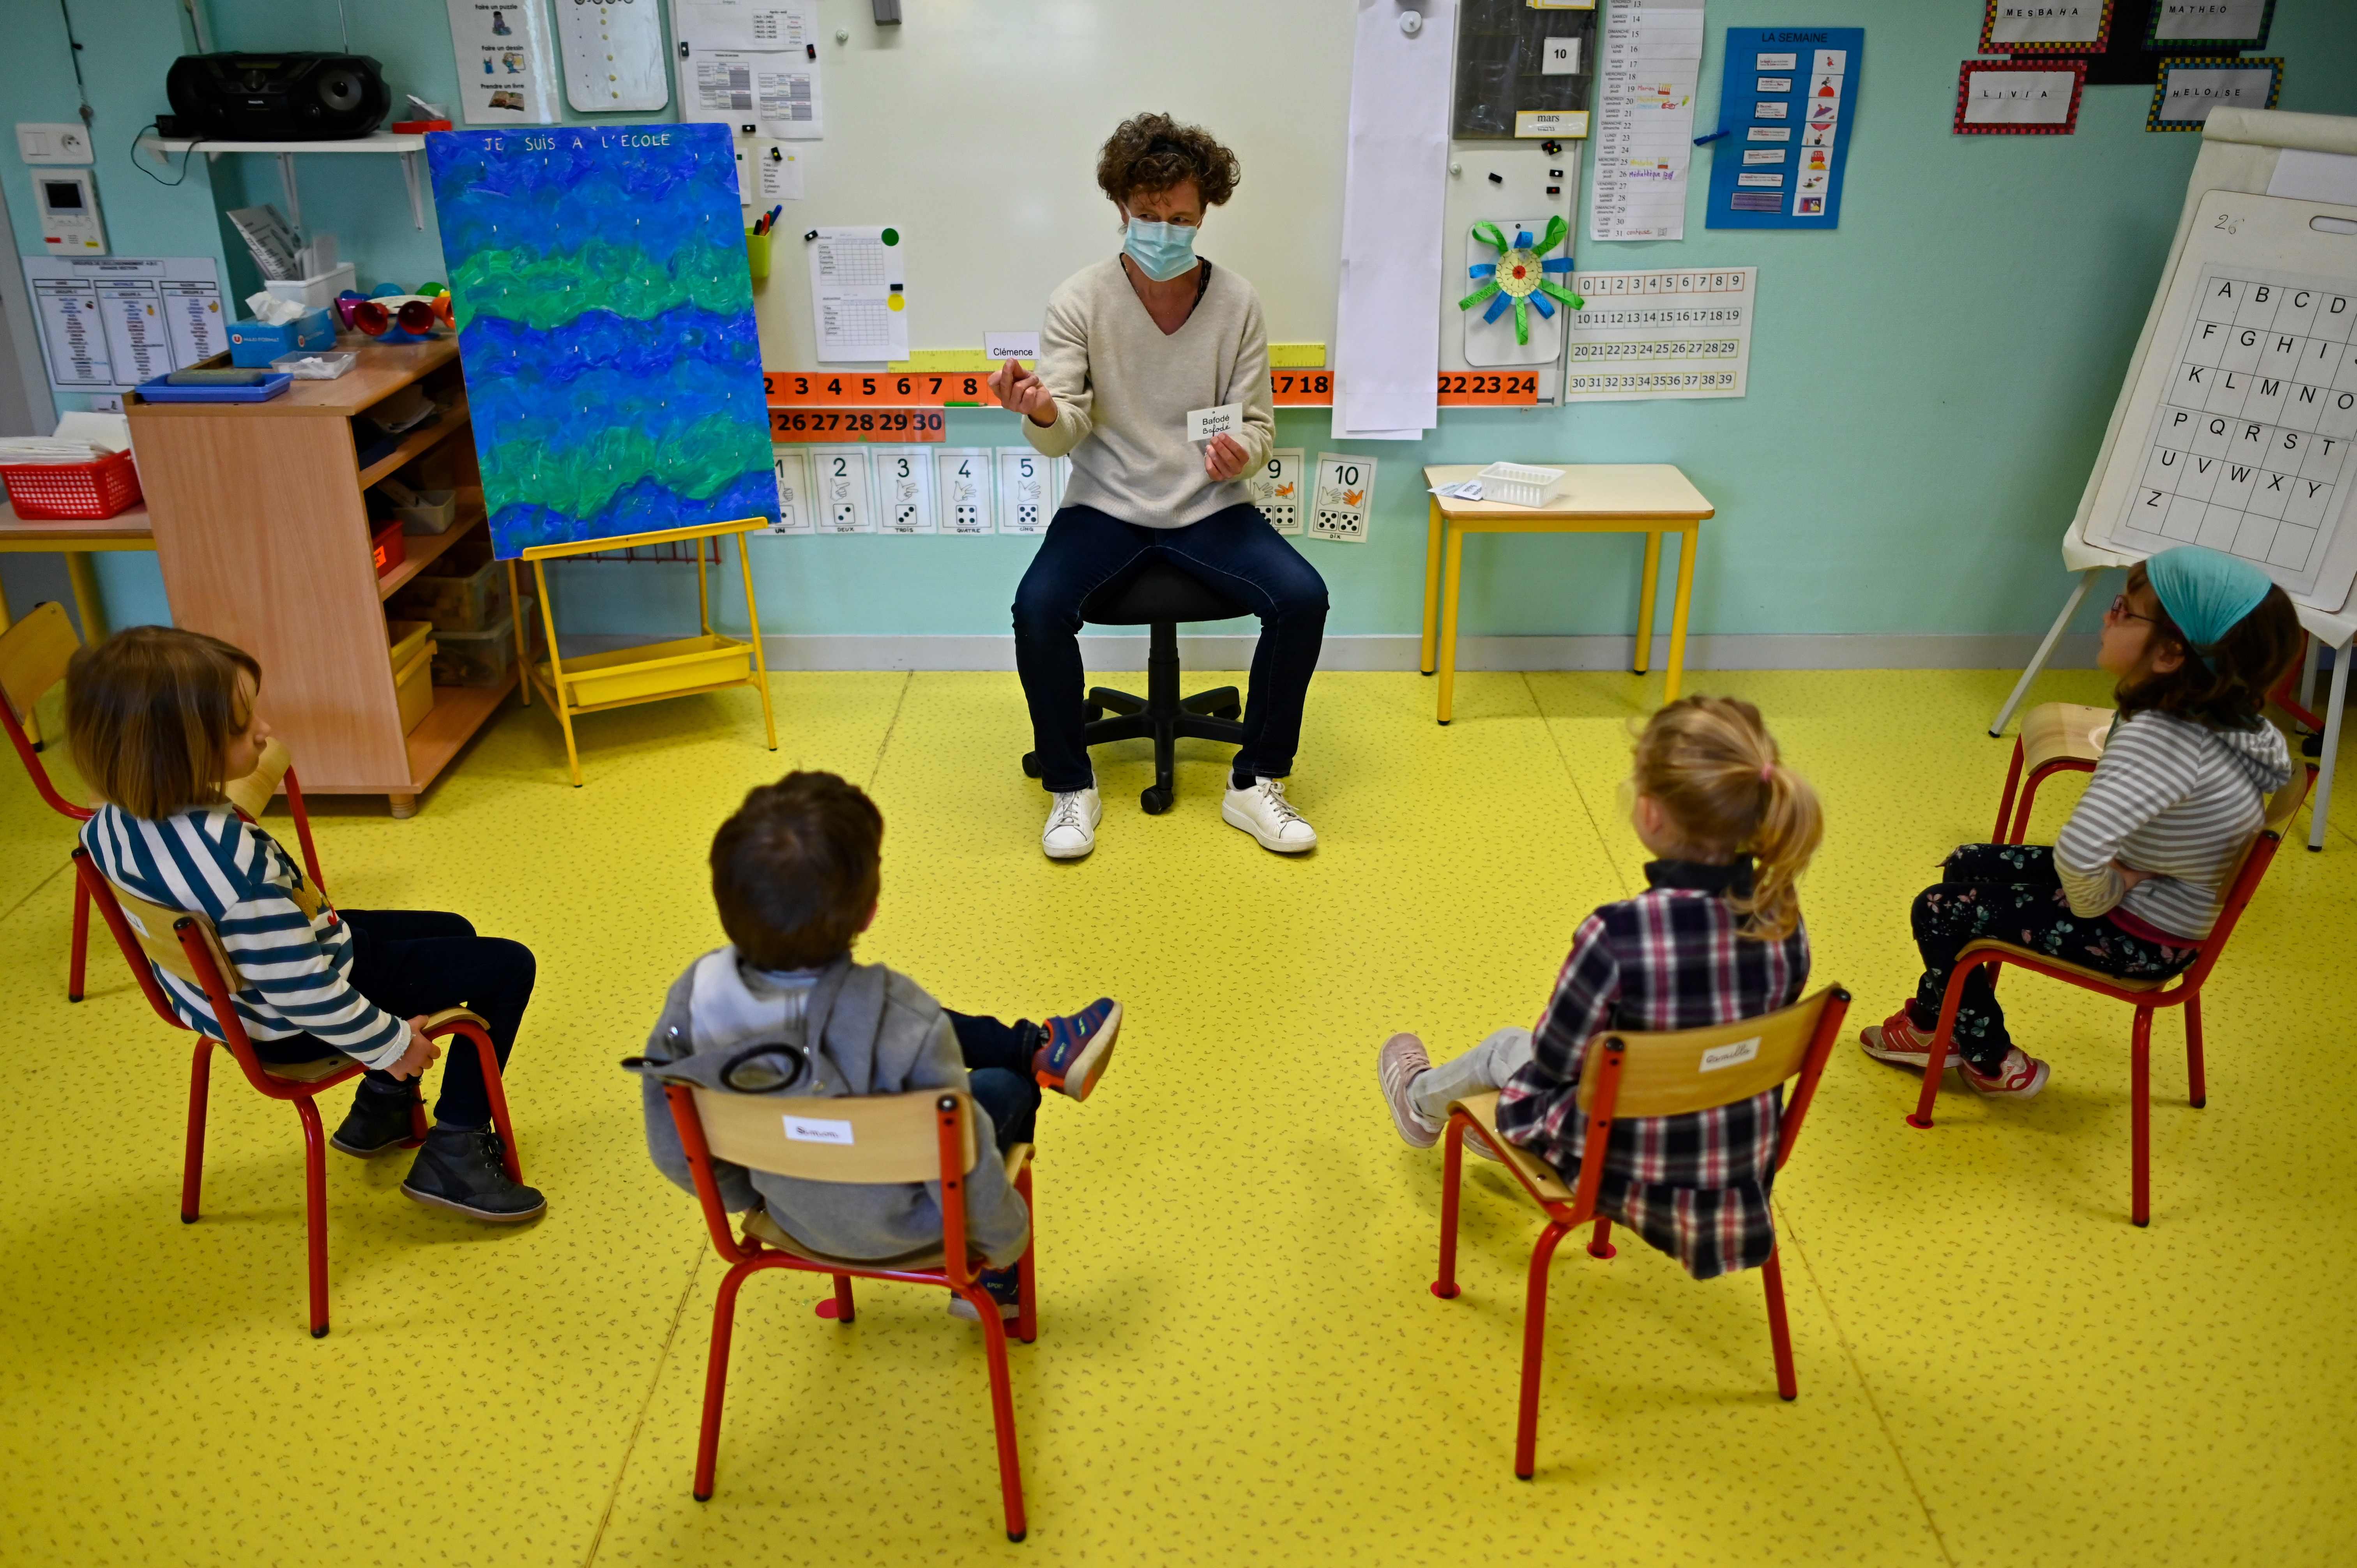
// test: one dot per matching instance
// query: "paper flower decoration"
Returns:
(1519, 278)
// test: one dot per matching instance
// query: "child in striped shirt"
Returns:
(2134, 881)
(156, 719)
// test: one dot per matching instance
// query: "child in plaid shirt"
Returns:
(1716, 936)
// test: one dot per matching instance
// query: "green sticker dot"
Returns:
(891, 236)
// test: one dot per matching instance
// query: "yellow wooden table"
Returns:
(75, 541)
(1651, 499)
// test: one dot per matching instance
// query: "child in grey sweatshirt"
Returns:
(795, 874)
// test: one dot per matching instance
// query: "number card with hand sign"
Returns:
(839, 484)
(1026, 491)
(1277, 489)
(794, 515)
(965, 485)
(1346, 490)
(904, 490)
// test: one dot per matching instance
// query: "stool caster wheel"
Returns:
(1091, 712)
(1156, 800)
(1030, 765)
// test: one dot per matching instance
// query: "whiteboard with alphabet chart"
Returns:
(2240, 435)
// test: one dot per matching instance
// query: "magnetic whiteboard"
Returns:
(973, 128)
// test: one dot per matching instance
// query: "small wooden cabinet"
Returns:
(262, 530)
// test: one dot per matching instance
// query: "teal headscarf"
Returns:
(2205, 593)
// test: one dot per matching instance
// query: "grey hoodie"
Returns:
(868, 1030)
(2176, 799)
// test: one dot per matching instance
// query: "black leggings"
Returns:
(2011, 892)
(410, 962)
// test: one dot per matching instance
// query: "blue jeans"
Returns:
(1234, 549)
(998, 1072)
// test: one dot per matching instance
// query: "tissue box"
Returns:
(253, 344)
(315, 293)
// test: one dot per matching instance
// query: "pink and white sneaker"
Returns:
(2019, 1077)
(1898, 1041)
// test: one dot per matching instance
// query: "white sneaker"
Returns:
(1265, 812)
(1072, 818)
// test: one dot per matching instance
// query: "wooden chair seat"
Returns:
(1541, 1179)
(2015, 950)
(759, 1227)
(306, 1072)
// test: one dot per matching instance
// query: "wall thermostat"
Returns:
(69, 223)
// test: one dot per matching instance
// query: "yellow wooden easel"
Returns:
(709, 662)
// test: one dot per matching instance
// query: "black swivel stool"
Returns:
(1158, 596)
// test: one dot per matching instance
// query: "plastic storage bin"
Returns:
(315, 293)
(406, 638)
(435, 512)
(253, 344)
(1518, 484)
(413, 686)
(476, 658)
(456, 602)
(88, 490)
(385, 545)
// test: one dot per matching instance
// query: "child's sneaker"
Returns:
(1397, 1064)
(1897, 1040)
(1078, 1047)
(1005, 1288)
(2019, 1077)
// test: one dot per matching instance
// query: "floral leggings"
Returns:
(2011, 892)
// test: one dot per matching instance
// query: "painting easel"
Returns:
(654, 671)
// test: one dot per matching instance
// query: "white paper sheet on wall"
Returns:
(857, 300)
(905, 494)
(793, 467)
(1027, 491)
(108, 323)
(1649, 59)
(965, 487)
(613, 58)
(507, 70)
(751, 62)
(839, 484)
(1388, 338)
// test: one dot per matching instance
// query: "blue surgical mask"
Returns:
(1162, 251)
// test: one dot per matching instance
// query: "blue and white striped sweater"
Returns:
(297, 967)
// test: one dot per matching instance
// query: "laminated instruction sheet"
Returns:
(1784, 118)
(108, 323)
(859, 308)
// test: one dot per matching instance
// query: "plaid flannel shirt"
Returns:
(1694, 1186)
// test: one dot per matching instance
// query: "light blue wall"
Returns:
(1928, 383)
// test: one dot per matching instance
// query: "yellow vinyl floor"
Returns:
(1239, 1360)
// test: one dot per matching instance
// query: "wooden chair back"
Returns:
(2281, 808)
(252, 793)
(33, 655)
(153, 927)
(1700, 1070)
(860, 1140)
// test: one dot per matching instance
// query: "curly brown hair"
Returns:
(2223, 686)
(1153, 152)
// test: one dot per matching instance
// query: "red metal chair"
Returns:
(926, 1135)
(33, 657)
(1639, 1075)
(2144, 995)
(2056, 738)
(186, 946)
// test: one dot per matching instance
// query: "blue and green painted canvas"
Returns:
(605, 319)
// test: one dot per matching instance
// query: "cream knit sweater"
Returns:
(1122, 391)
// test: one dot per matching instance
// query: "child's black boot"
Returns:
(459, 1168)
(379, 1119)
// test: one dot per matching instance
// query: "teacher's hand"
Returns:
(1025, 393)
(1225, 458)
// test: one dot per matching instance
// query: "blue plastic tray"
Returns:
(160, 390)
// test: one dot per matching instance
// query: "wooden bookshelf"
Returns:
(261, 528)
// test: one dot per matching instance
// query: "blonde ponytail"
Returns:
(1714, 769)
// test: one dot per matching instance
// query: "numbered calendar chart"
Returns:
(1661, 335)
(2250, 451)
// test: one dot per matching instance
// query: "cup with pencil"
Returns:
(757, 242)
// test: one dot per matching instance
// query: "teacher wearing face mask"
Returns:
(1131, 345)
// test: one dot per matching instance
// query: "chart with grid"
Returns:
(2250, 449)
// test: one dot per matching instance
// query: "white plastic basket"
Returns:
(1518, 484)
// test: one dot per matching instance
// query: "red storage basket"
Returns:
(90, 491)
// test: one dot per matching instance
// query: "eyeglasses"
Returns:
(767, 1068)
(2120, 611)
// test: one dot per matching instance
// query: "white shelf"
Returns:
(164, 148)
(382, 142)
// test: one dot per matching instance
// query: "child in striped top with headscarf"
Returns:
(156, 719)
(2134, 881)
